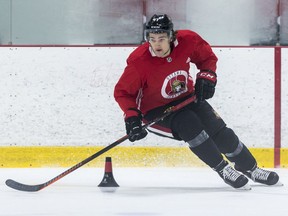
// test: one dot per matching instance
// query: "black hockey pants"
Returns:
(205, 132)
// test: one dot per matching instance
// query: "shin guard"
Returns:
(242, 157)
(208, 152)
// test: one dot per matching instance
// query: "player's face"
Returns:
(160, 44)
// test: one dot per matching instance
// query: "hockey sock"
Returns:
(208, 153)
(242, 158)
(234, 150)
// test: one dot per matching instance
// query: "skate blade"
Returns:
(245, 187)
(278, 184)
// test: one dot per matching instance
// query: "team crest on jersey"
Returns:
(175, 84)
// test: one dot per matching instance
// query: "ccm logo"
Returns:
(207, 75)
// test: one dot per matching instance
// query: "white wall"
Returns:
(221, 22)
(64, 96)
(284, 107)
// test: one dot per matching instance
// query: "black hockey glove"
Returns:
(134, 128)
(205, 84)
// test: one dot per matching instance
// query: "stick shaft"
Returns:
(23, 187)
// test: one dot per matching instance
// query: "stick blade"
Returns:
(23, 187)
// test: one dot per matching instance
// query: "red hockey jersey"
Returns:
(149, 81)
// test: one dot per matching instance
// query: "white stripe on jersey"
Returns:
(167, 134)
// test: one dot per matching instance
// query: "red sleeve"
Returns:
(127, 90)
(203, 57)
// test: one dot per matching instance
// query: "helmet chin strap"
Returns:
(168, 51)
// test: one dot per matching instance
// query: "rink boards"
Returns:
(58, 107)
(122, 156)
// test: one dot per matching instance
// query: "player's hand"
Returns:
(134, 128)
(205, 85)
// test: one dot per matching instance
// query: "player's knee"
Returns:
(226, 140)
(187, 126)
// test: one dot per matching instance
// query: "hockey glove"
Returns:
(205, 84)
(134, 128)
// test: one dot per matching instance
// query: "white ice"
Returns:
(142, 191)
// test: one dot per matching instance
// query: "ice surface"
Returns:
(142, 191)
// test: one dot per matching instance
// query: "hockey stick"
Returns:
(33, 188)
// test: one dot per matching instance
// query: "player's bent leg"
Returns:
(209, 153)
(189, 128)
(236, 152)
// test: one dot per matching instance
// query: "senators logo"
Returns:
(175, 84)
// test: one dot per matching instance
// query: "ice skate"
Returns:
(232, 177)
(262, 176)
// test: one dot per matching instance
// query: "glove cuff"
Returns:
(133, 112)
(207, 74)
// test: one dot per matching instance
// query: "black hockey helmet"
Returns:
(159, 23)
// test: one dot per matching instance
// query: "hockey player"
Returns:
(157, 77)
